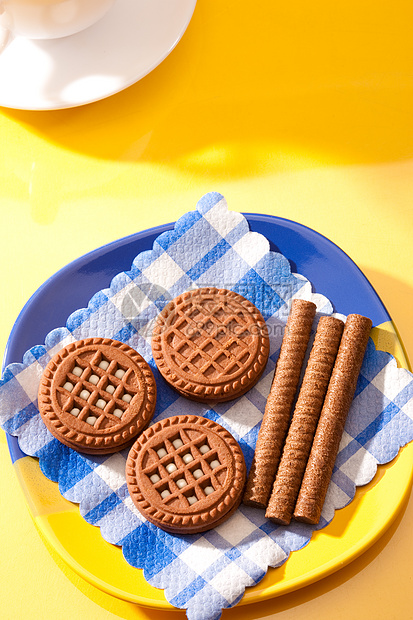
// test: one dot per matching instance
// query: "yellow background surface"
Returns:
(300, 110)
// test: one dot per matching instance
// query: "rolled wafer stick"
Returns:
(304, 421)
(333, 415)
(279, 404)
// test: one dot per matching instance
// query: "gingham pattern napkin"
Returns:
(206, 572)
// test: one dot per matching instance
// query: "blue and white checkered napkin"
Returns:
(204, 573)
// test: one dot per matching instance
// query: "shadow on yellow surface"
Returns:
(265, 87)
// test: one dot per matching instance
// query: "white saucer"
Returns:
(125, 45)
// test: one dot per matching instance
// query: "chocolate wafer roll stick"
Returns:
(333, 415)
(279, 404)
(304, 421)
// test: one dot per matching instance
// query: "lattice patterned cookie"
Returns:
(96, 395)
(186, 474)
(210, 344)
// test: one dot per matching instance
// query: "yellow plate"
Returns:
(353, 529)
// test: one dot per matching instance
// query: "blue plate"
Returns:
(331, 272)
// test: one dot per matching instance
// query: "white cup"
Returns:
(50, 19)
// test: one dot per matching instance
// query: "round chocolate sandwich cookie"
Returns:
(96, 395)
(186, 474)
(210, 344)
